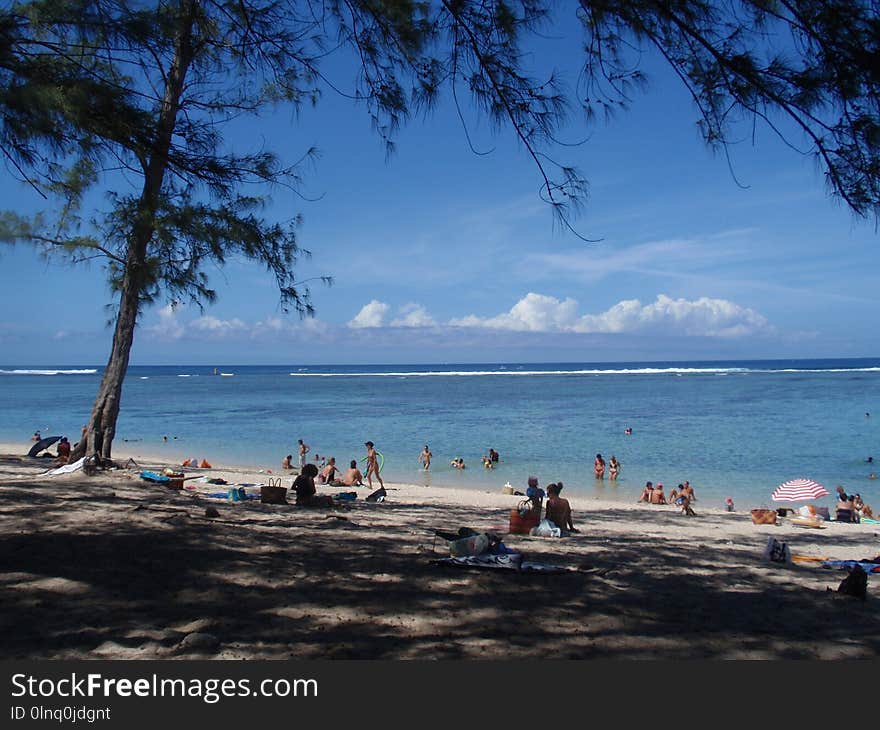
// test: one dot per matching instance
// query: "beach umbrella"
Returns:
(799, 490)
(43, 444)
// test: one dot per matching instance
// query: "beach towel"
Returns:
(868, 567)
(151, 476)
(345, 495)
(67, 468)
(512, 562)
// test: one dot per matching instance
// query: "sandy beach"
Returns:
(115, 567)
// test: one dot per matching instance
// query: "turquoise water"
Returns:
(733, 429)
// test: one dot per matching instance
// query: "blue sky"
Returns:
(440, 255)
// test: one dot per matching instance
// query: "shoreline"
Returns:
(113, 566)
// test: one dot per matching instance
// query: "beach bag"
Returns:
(777, 552)
(546, 528)
(473, 545)
(524, 517)
(764, 516)
(273, 493)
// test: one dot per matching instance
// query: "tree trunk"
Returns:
(98, 440)
(102, 424)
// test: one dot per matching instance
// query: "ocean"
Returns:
(733, 429)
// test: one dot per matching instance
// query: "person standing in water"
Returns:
(303, 450)
(373, 464)
(599, 467)
(425, 458)
(613, 467)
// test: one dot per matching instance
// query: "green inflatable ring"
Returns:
(381, 461)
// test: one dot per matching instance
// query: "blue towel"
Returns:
(850, 564)
(152, 476)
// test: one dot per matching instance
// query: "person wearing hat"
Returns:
(372, 465)
(535, 493)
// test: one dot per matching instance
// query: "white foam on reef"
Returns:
(611, 371)
(48, 372)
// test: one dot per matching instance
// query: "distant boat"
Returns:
(227, 375)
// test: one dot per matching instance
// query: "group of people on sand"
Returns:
(599, 467)
(328, 473)
(683, 496)
(851, 507)
(558, 510)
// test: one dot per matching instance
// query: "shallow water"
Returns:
(733, 429)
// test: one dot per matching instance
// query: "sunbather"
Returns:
(657, 496)
(558, 509)
(646, 492)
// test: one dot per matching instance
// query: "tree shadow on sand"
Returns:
(94, 572)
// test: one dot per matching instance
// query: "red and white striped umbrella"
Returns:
(799, 490)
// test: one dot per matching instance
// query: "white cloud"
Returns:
(413, 315)
(218, 327)
(371, 315)
(375, 313)
(168, 328)
(700, 317)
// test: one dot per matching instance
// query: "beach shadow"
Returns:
(281, 582)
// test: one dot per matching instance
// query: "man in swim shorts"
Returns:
(425, 457)
(303, 450)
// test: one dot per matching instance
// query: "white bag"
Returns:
(546, 528)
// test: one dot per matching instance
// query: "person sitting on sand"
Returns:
(686, 506)
(862, 509)
(675, 494)
(63, 451)
(613, 467)
(535, 493)
(599, 466)
(558, 509)
(287, 462)
(353, 477)
(688, 491)
(304, 486)
(328, 473)
(657, 496)
(646, 492)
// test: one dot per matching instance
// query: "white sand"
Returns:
(114, 566)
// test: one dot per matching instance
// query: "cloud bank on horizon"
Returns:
(535, 313)
(703, 317)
